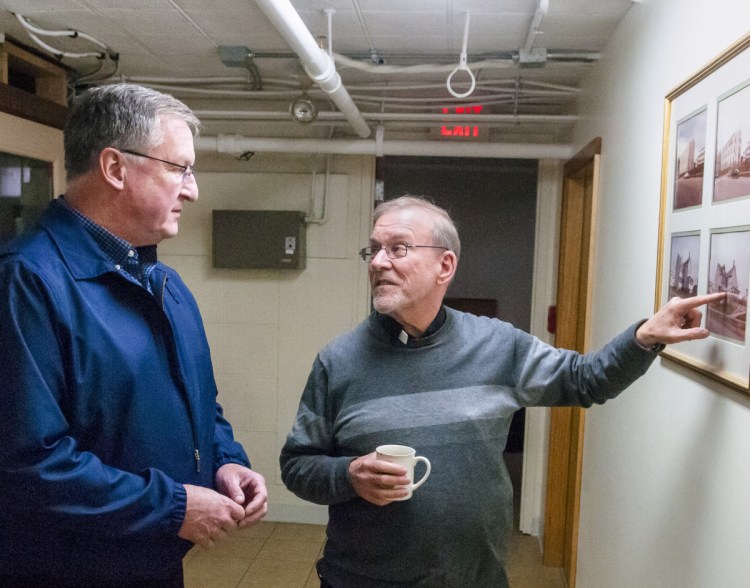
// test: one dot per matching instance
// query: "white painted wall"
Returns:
(544, 294)
(666, 467)
(266, 326)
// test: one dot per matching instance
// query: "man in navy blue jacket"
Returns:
(115, 457)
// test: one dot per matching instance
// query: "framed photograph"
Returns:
(690, 160)
(704, 230)
(684, 265)
(729, 257)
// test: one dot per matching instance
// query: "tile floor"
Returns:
(271, 555)
(283, 555)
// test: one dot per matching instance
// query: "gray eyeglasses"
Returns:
(395, 251)
(187, 170)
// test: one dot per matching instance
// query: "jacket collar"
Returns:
(80, 253)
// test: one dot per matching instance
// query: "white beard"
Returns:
(388, 303)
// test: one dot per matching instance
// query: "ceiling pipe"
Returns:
(488, 119)
(237, 144)
(317, 63)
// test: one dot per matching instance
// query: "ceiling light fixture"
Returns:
(303, 110)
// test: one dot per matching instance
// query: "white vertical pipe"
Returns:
(318, 64)
(536, 23)
(329, 12)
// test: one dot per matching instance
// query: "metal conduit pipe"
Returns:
(264, 115)
(317, 63)
(237, 144)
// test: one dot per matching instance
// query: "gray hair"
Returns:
(123, 116)
(444, 232)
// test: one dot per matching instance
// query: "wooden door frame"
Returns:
(564, 465)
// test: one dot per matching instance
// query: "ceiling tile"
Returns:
(180, 38)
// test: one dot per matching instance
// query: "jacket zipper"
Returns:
(196, 450)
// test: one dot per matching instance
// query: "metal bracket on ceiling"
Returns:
(528, 55)
(241, 56)
(535, 57)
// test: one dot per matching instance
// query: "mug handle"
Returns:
(423, 479)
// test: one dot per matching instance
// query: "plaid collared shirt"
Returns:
(135, 263)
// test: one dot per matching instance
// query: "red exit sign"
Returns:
(459, 131)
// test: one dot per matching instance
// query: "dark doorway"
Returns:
(493, 203)
(488, 307)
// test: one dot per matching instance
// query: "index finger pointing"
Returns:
(695, 301)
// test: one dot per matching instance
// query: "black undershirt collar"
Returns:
(398, 333)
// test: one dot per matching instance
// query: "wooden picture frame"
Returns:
(704, 229)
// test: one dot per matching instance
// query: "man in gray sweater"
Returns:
(447, 383)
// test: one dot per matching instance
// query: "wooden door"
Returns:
(580, 179)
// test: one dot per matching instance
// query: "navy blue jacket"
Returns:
(108, 407)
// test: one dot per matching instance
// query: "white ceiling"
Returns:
(175, 44)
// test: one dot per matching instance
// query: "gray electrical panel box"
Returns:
(259, 239)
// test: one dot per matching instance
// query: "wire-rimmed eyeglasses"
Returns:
(395, 251)
(187, 170)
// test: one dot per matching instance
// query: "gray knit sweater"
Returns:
(451, 396)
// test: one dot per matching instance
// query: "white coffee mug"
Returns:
(407, 457)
